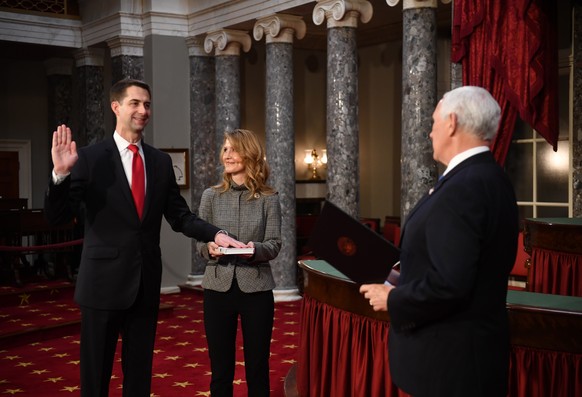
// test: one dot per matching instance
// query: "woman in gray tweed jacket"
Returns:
(241, 285)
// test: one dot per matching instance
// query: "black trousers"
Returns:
(100, 330)
(221, 313)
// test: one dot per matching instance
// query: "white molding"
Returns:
(27, 28)
(204, 19)
(286, 295)
(170, 290)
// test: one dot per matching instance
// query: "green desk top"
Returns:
(558, 221)
(520, 298)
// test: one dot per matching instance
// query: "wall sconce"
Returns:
(314, 162)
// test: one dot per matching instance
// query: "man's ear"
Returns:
(115, 107)
(452, 119)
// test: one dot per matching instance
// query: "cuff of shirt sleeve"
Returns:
(57, 179)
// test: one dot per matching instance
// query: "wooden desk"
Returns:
(555, 247)
(339, 326)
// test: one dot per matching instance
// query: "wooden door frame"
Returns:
(23, 147)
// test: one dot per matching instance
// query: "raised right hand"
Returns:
(64, 150)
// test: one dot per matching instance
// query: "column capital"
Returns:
(89, 56)
(408, 4)
(279, 28)
(196, 46)
(227, 42)
(126, 45)
(342, 13)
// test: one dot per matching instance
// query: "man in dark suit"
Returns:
(119, 279)
(449, 331)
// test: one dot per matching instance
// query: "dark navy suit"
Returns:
(118, 285)
(448, 323)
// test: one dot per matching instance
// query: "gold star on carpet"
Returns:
(24, 299)
(208, 373)
(173, 358)
(237, 381)
(4, 315)
(39, 371)
(288, 361)
(182, 317)
(46, 349)
(291, 322)
(76, 342)
(203, 393)
(35, 344)
(166, 337)
(156, 351)
(196, 321)
(45, 314)
(113, 377)
(26, 324)
(24, 364)
(74, 362)
(13, 391)
(290, 333)
(193, 365)
(163, 376)
(14, 320)
(182, 343)
(200, 349)
(182, 384)
(11, 357)
(290, 346)
(56, 318)
(154, 395)
(242, 363)
(2, 381)
(33, 310)
(174, 326)
(70, 388)
(289, 313)
(54, 291)
(54, 380)
(61, 355)
(190, 331)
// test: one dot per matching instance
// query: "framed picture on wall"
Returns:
(181, 165)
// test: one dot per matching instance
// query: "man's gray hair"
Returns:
(476, 110)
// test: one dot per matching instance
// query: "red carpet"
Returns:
(50, 367)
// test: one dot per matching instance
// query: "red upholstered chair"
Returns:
(519, 276)
(391, 229)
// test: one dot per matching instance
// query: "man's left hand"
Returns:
(377, 294)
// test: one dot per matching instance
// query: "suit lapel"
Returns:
(151, 169)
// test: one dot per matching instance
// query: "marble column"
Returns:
(419, 89)
(202, 136)
(576, 115)
(227, 45)
(126, 58)
(59, 95)
(343, 178)
(280, 137)
(60, 91)
(90, 94)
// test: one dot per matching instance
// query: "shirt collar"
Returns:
(122, 144)
(459, 158)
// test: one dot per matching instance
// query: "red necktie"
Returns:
(137, 179)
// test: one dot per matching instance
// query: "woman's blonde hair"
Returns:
(252, 153)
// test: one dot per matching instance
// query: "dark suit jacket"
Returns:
(448, 323)
(119, 249)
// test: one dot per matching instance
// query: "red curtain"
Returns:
(543, 373)
(342, 354)
(510, 49)
(557, 273)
